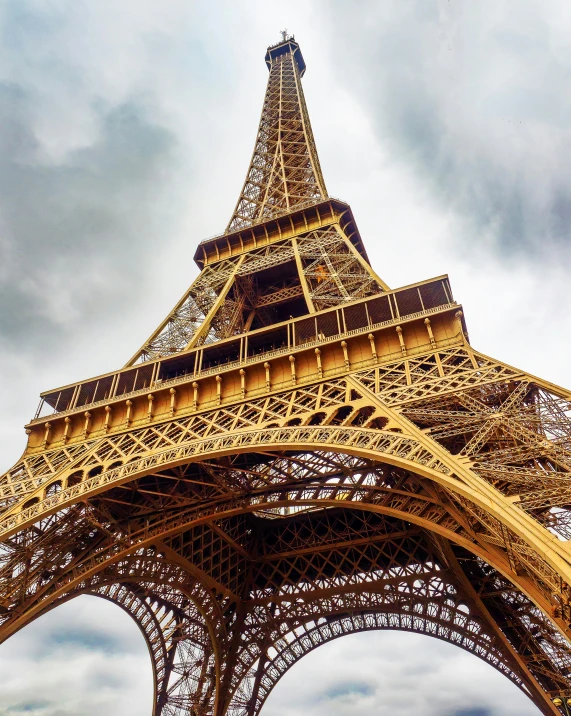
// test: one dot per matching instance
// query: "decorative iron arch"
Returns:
(180, 623)
(249, 702)
(274, 497)
(330, 496)
(402, 450)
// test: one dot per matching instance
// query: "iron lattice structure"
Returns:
(298, 453)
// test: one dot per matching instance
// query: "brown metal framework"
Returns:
(298, 453)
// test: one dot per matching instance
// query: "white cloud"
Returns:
(394, 674)
(84, 658)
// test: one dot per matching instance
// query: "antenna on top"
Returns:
(284, 35)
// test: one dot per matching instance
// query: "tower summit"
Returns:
(284, 173)
(296, 453)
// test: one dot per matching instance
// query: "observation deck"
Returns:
(283, 48)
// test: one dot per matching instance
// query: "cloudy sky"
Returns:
(126, 127)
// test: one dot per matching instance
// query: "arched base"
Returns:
(305, 536)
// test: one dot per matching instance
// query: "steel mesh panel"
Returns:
(305, 331)
(87, 393)
(126, 382)
(328, 325)
(355, 316)
(61, 399)
(408, 301)
(143, 378)
(379, 309)
(103, 389)
(433, 295)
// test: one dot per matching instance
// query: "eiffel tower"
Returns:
(299, 452)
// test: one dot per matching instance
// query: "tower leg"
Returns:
(179, 644)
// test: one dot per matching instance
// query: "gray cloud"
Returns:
(70, 228)
(391, 673)
(87, 637)
(349, 690)
(474, 96)
(33, 706)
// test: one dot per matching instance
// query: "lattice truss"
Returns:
(178, 641)
(284, 172)
(242, 537)
(181, 325)
(333, 271)
(229, 294)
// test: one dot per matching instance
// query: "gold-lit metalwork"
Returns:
(299, 452)
(563, 703)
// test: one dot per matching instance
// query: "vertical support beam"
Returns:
(403, 351)
(75, 396)
(292, 366)
(429, 331)
(433, 344)
(129, 406)
(268, 384)
(206, 324)
(302, 278)
(318, 359)
(401, 340)
(459, 326)
(41, 405)
(67, 422)
(339, 327)
(47, 430)
(374, 354)
(114, 384)
(108, 412)
(345, 354)
(367, 266)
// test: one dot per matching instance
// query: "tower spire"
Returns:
(284, 173)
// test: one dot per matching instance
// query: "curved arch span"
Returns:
(397, 449)
(110, 562)
(271, 499)
(177, 627)
(256, 687)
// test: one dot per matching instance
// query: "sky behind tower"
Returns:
(126, 128)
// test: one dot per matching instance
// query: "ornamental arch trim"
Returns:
(393, 448)
(325, 630)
